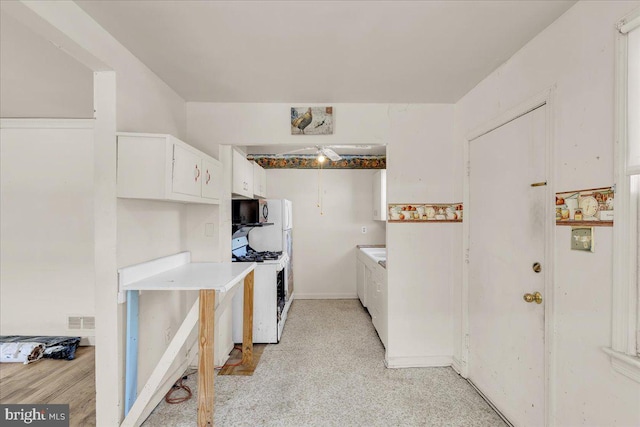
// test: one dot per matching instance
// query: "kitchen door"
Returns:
(507, 219)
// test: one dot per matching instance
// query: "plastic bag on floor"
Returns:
(23, 352)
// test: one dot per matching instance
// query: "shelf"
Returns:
(432, 221)
(586, 223)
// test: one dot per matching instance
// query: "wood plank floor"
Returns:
(54, 381)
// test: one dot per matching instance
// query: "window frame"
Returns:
(625, 307)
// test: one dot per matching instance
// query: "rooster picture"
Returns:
(311, 120)
(301, 122)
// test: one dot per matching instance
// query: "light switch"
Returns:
(582, 239)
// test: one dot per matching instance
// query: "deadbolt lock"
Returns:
(534, 297)
(537, 267)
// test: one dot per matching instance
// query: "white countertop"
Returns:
(220, 276)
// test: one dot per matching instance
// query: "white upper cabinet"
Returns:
(187, 171)
(161, 167)
(380, 195)
(211, 178)
(242, 182)
(259, 181)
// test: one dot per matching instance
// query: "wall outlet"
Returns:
(582, 239)
(364, 230)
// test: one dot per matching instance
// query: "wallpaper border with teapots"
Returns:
(424, 212)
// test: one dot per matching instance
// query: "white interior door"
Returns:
(506, 237)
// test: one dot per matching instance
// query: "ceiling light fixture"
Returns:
(321, 158)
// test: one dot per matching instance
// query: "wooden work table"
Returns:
(173, 273)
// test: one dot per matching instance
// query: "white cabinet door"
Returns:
(382, 309)
(242, 182)
(187, 171)
(380, 195)
(263, 182)
(360, 268)
(211, 178)
(259, 181)
(368, 289)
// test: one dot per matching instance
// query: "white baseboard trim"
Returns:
(326, 296)
(457, 365)
(419, 361)
(89, 341)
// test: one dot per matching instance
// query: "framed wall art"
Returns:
(311, 120)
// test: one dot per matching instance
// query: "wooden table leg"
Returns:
(247, 321)
(206, 367)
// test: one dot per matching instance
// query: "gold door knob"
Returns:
(536, 296)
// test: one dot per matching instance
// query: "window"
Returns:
(625, 342)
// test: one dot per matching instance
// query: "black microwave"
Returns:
(249, 211)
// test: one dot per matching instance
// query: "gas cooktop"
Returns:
(255, 256)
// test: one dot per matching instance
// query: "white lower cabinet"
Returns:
(371, 286)
(360, 280)
(380, 318)
(161, 167)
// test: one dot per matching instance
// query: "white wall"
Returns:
(324, 245)
(576, 56)
(39, 80)
(210, 124)
(419, 267)
(47, 230)
(144, 103)
(420, 150)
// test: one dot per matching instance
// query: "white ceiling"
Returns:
(324, 51)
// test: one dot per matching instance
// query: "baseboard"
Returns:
(88, 341)
(418, 361)
(457, 365)
(326, 296)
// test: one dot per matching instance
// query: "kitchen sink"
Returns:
(377, 254)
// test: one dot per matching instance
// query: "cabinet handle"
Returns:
(196, 173)
(208, 175)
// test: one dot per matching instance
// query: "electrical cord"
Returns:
(179, 385)
(232, 364)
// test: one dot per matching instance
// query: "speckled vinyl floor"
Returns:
(328, 370)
